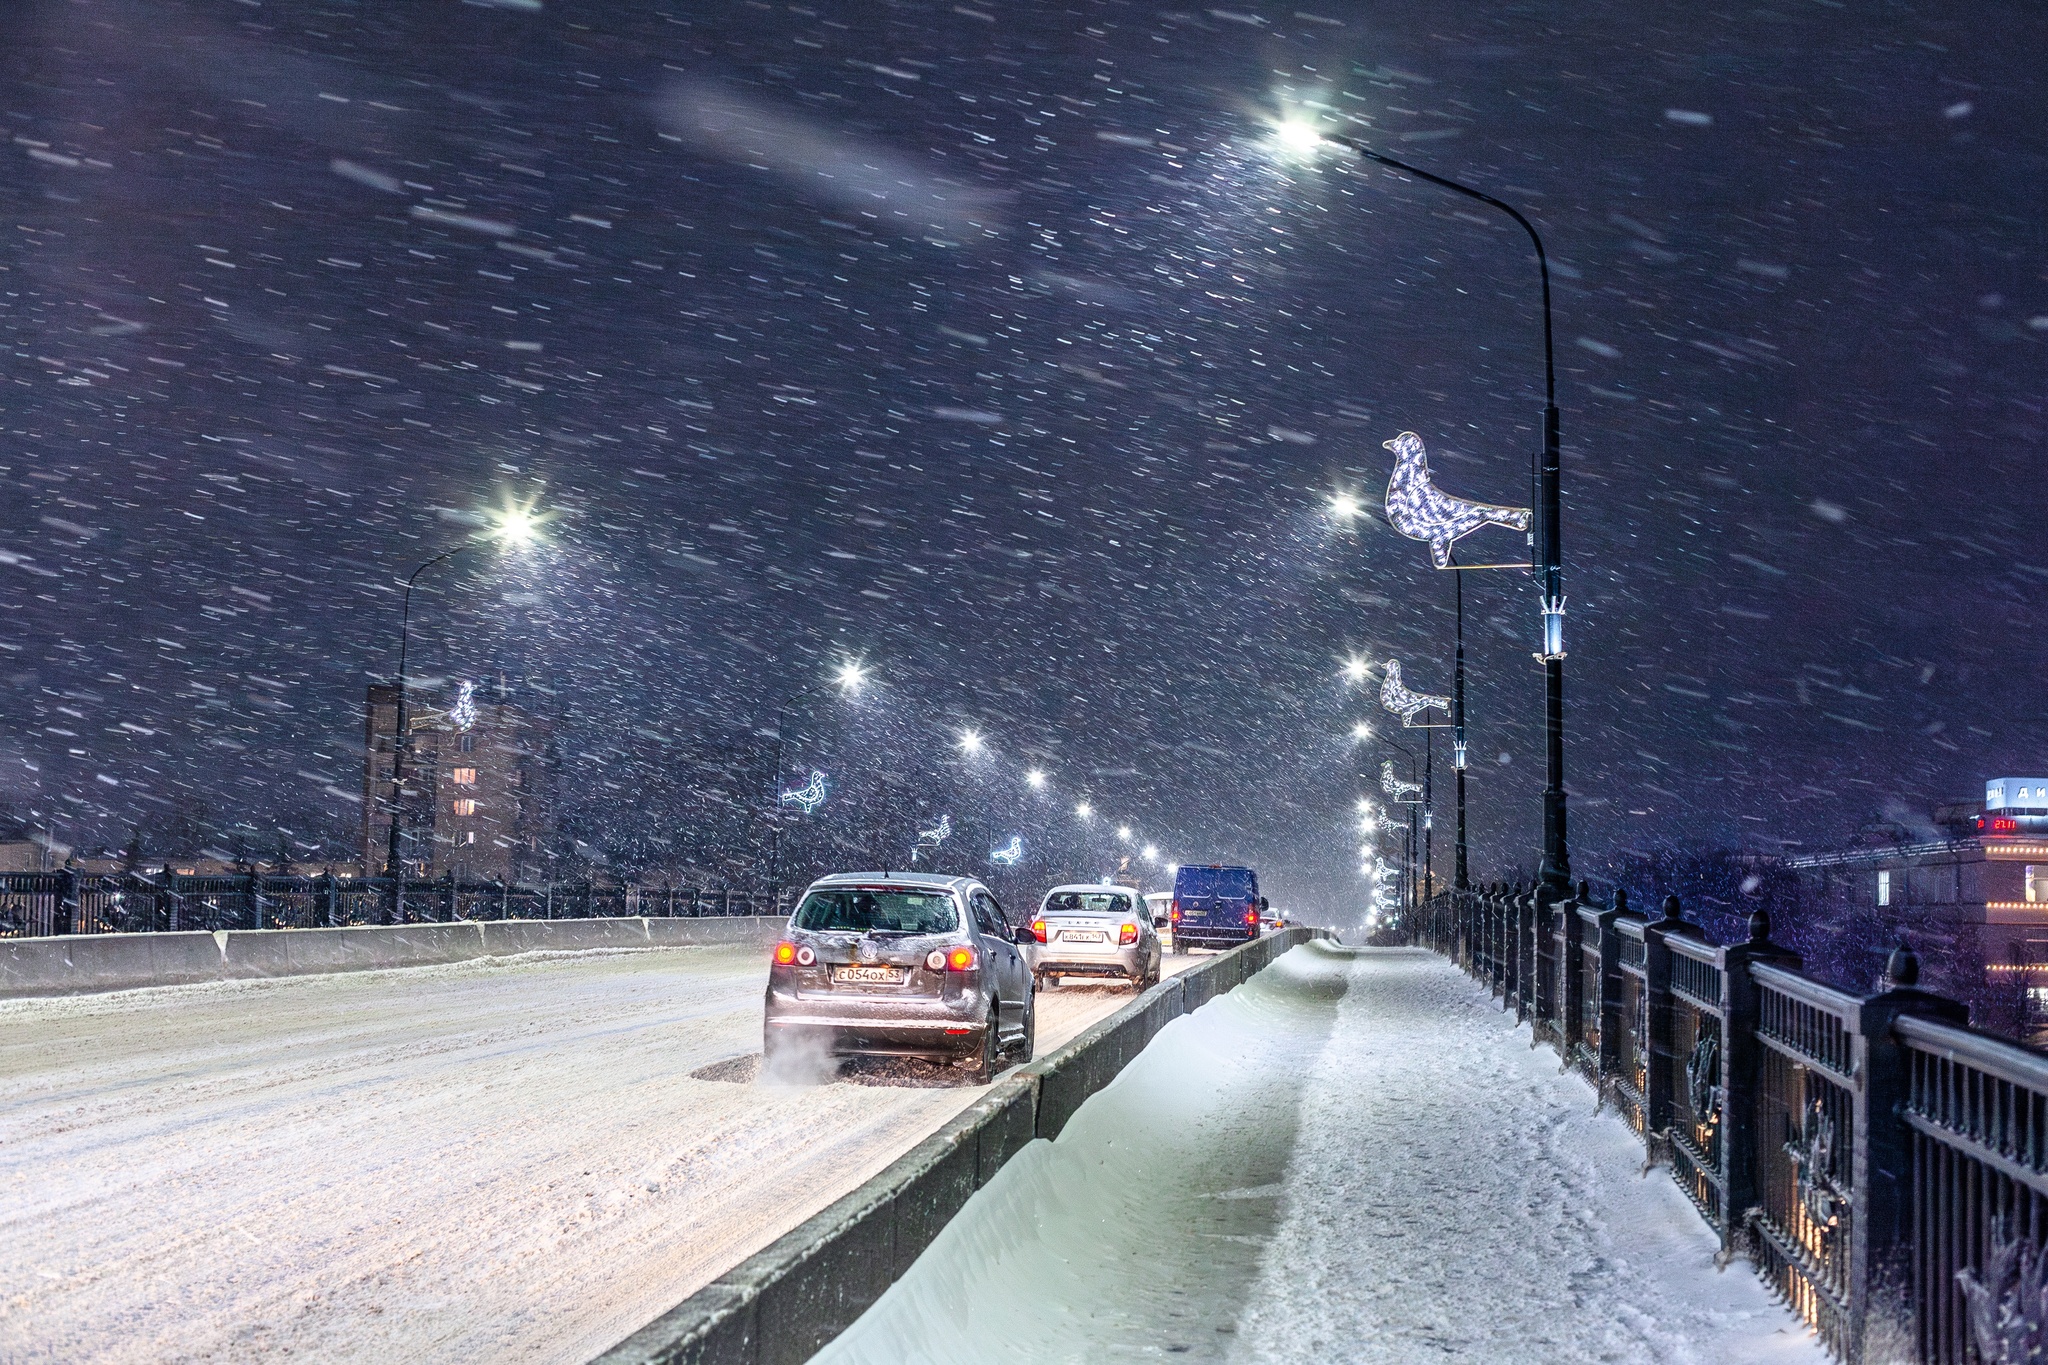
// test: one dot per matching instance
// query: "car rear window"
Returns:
(878, 909)
(1231, 882)
(1087, 903)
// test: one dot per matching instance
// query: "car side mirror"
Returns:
(1263, 905)
(1159, 921)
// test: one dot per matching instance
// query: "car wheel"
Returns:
(1052, 981)
(1152, 977)
(983, 1069)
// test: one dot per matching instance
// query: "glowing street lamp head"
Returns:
(970, 742)
(1035, 780)
(1123, 832)
(1357, 669)
(516, 525)
(850, 675)
(1361, 731)
(1084, 810)
(1150, 853)
(1345, 507)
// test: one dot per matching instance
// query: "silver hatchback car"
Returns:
(901, 965)
(1094, 930)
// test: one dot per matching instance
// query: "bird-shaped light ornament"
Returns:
(1009, 854)
(928, 840)
(808, 797)
(1396, 697)
(1408, 793)
(1420, 510)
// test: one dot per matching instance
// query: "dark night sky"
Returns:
(993, 342)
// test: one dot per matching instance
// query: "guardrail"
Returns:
(1882, 1165)
(52, 904)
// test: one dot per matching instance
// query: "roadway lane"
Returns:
(503, 1160)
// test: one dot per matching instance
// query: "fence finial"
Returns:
(1621, 900)
(1585, 892)
(1902, 968)
(1759, 925)
(1674, 910)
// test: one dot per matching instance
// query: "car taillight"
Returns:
(935, 960)
(1127, 934)
(960, 960)
(1038, 930)
(806, 955)
(785, 953)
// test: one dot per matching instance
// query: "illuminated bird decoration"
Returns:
(1421, 511)
(1406, 792)
(808, 797)
(1395, 696)
(928, 840)
(1009, 853)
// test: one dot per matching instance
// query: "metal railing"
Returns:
(46, 904)
(1883, 1166)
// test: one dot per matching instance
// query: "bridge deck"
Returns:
(503, 1159)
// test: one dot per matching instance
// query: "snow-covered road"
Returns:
(1354, 1157)
(500, 1160)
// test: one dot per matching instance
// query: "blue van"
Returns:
(1215, 907)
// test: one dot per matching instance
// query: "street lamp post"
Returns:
(1556, 870)
(516, 526)
(1415, 845)
(852, 673)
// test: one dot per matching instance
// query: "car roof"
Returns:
(929, 880)
(1095, 886)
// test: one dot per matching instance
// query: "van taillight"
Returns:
(1251, 917)
(1174, 914)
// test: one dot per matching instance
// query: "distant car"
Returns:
(1215, 907)
(1093, 929)
(1160, 905)
(901, 965)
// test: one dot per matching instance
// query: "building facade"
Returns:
(475, 791)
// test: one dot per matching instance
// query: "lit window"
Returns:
(464, 777)
(469, 838)
(2037, 884)
(465, 807)
(1884, 888)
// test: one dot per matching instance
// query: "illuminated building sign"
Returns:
(2014, 806)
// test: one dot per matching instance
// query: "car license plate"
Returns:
(873, 976)
(1081, 936)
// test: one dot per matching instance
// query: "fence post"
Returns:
(64, 907)
(255, 897)
(1741, 1059)
(1570, 976)
(1660, 1066)
(1609, 1003)
(1881, 1308)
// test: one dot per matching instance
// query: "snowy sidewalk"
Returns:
(1354, 1157)
(1452, 1197)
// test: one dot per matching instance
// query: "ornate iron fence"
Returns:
(1883, 1166)
(45, 904)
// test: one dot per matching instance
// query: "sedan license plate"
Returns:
(873, 976)
(1081, 936)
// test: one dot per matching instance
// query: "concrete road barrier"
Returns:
(781, 1305)
(87, 963)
